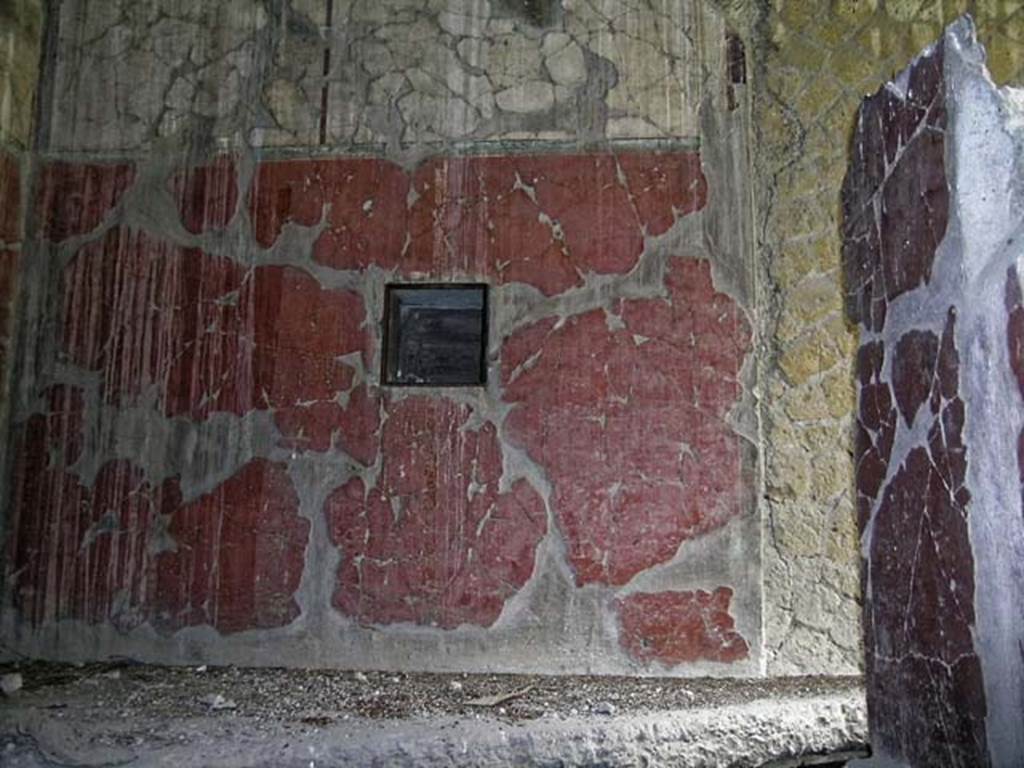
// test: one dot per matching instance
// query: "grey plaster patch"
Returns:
(988, 165)
(528, 96)
(564, 60)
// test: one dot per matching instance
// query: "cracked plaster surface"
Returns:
(271, 73)
(151, 350)
(818, 66)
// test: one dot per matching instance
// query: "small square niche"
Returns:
(435, 335)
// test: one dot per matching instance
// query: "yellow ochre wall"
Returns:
(813, 63)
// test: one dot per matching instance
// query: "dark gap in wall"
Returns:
(736, 66)
(45, 85)
(539, 13)
(328, 24)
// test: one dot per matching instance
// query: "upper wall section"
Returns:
(376, 73)
(20, 28)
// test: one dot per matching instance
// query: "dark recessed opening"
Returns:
(435, 335)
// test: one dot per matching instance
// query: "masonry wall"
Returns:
(815, 63)
(207, 466)
(932, 214)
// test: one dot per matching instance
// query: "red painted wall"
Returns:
(624, 410)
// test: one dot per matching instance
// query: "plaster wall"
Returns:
(20, 36)
(208, 467)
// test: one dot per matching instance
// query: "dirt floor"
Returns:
(113, 710)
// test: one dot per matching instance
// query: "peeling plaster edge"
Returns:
(746, 283)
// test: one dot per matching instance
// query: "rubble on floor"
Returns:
(121, 712)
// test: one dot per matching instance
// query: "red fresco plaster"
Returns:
(81, 553)
(211, 335)
(541, 220)
(75, 552)
(926, 699)
(630, 424)
(10, 199)
(362, 202)
(238, 556)
(913, 371)
(8, 287)
(64, 422)
(547, 221)
(8, 283)
(207, 195)
(74, 199)
(626, 415)
(927, 690)
(232, 558)
(435, 542)
(680, 627)
(876, 428)
(895, 196)
(354, 428)
(663, 187)
(477, 215)
(1014, 303)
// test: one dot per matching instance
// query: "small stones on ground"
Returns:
(217, 702)
(501, 698)
(604, 708)
(319, 719)
(11, 683)
(275, 698)
(201, 668)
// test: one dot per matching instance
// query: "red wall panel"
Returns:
(621, 412)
